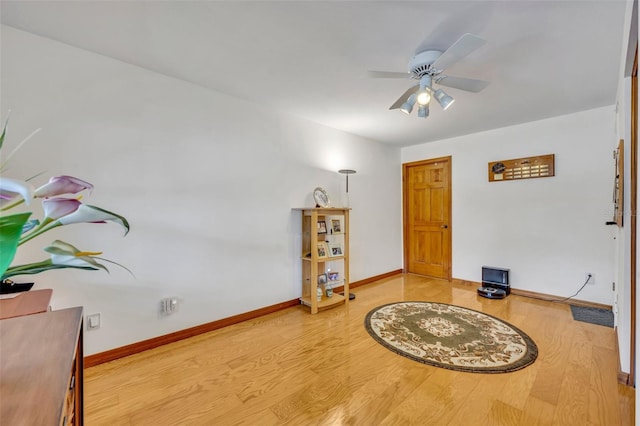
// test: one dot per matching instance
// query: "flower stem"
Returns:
(46, 225)
(10, 206)
(28, 266)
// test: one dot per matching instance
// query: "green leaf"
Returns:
(37, 270)
(4, 132)
(10, 231)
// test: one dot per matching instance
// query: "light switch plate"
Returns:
(93, 321)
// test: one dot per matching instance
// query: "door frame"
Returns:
(634, 209)
(405, 227)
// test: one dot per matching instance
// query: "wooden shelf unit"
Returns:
(313, 265)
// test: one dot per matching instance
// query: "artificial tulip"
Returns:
(77, 213)
(17, 229)
(59, 185)
(10, 187)
(64, 254)
(55, 208)
(92, 214)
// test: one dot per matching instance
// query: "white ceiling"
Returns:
(310, 58)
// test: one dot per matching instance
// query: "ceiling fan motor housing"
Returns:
(421, 64)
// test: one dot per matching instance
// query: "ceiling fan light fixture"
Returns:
(424, 94)
(407, 107)
(428, 67)
(423, 97)
(443, 99)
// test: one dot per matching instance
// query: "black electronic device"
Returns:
(492, 293)
(495, 279)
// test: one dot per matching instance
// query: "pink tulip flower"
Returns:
(16, 229)
(66, 211)
(55, 208)
(59, 185)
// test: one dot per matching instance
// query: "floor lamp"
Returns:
(348, 172)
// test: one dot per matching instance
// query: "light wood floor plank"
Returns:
(294, 368)
(502, 414)
(537, 412)
(516, 390)
(600, 388)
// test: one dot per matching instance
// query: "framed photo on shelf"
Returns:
(323, 250)
(335, 250)
(334, 276)
(322, 279)
(335, 226)
(322, 227)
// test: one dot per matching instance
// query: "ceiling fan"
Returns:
(427, 67)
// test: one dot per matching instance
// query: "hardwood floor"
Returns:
(294, 368)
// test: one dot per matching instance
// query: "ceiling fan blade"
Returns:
(402, 99)
(468, 84)
(461, 48)
(471, 17)
(388, 74)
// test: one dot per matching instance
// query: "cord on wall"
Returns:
(566, 298)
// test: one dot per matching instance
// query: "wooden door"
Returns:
(427, 217)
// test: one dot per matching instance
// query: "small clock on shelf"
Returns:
(321, 197)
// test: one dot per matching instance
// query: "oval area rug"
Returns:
(450, 336)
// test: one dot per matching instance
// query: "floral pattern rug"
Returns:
(451, 337)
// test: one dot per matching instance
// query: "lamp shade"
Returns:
(407, 107)
(347, 172)
(443, 99)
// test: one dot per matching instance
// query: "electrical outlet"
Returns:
(168, 305)
(93, 321)
(591, 277)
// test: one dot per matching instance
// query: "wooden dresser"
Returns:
(41, 369)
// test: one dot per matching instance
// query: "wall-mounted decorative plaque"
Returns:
(522, 168)
(618, 199)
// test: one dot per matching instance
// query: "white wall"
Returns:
(207, 182)
(548, 231)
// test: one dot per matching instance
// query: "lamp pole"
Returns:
(348, 172)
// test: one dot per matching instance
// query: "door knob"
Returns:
(444, 226)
